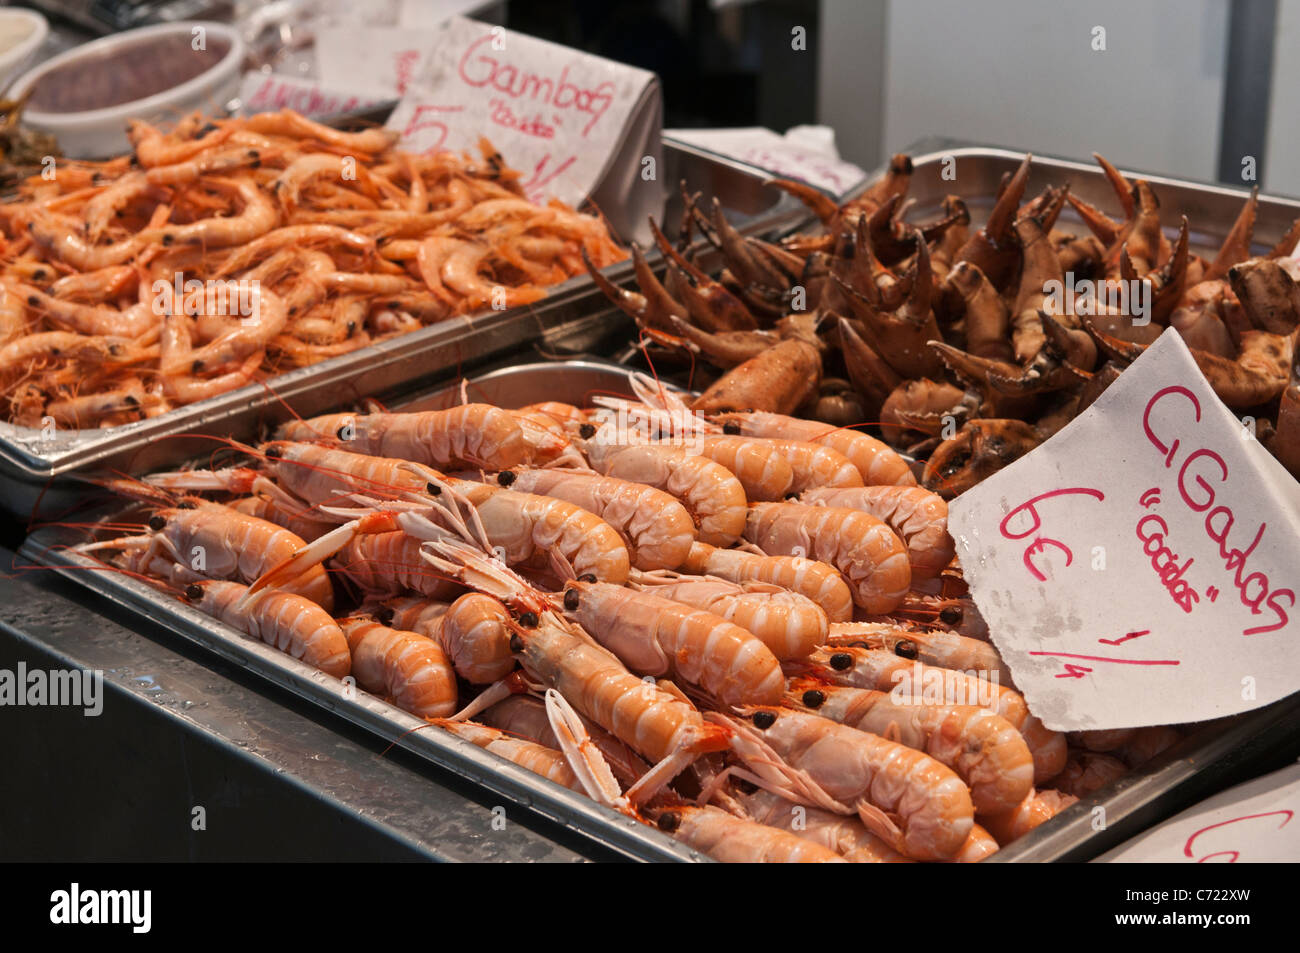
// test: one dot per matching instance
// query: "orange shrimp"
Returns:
(984, 749)
(540, 760)
(877, 463)
(906, 798)
(789, 624)
(919, 517)
(655, 636)
(845, 835)
(935, 647)
(404, 666)
(764, 472)
(288, 621)
(735, 840)
(474, 631)
(656, 527)
(1035, 809)
(816, 580)
(471, 435)
(864, 549)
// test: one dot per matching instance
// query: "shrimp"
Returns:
(288, 123)
(933, 647)
(62, 237)
(389, 564)
(526, 716)
(301, 525)
(655, 636)
(979, 844)
(474, 631)
(909, 800)
(211, 541)
(656, 527)
(1036, 808)
(919, 517)
(657, 724)
(877, 463)
(789, 624)
(984, 749)
(710, 492)
(1086, 772)
(761, 468)
(288, 621)
(815, 580)
(404, 666)
(295, 236)
(735, 840)
(847, 836)
(316, 165)
(471, 435)
(153, 148)
(540, 760)
(864, 549)
(256, 217)
(882, 670)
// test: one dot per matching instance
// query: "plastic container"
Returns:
(85, 96)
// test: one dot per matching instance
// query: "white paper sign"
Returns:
(799, 154)
(1141, 567)
(1254, 822)
(382, 61)
(575, 125)
(270, 92)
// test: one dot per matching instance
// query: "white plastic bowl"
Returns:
(101, 133)
(16, 57)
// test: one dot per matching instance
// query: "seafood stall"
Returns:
(412, 466)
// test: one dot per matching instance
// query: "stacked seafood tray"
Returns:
(730, 624)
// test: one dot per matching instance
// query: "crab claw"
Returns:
(1236, 246)
(978, 450)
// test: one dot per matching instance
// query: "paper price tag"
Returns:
(784, 156)
(269, 92)
(576, 125)
(1254, 822)
(1141, 567)
(380, 60)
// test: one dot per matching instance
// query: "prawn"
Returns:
(815, 580)
(917, 516)
(404, 666)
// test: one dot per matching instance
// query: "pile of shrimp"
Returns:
(947, 337)
(744, 628)
(229, 250)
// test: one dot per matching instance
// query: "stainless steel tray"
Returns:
(30, 458)
(569, 381)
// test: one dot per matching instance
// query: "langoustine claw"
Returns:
(980, 449)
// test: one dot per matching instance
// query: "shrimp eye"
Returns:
(571, 599)
(384, 615)
(731, 427)
(342, 432)
(669, 822)
(587, 431)
(168, 239)
(33, 300)
(131, 400)
(587, 577)
(506, 477)
(764, 720)
(528, 620)
(906, 649)
(157, 522)
(841, 661)
(950, 615)
(38, 274)
(433, 489)
(274, 453)
(516, 644)
(813, 698)
(186, 505)
(194, 593)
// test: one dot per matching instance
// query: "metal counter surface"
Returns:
(180, 729)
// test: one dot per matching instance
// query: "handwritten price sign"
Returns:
(778, 155)
(1142, 566)
(568, 120)
(1251, 823)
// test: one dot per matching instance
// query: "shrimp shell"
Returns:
(847, 836)
(471, 435)
(816, 580)
(547, 762)
(474, 632)
(389, 564)
(936, 647)
(734, 840)
(657, 528)
(291, 623)
(984, 749)
(789, 624)
(656, 636)
(710, 492)
(1037, 807)
(906, 798)
(877, 462)
(404, 666)
(864, 549)
(761, 468)
(919, 517)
